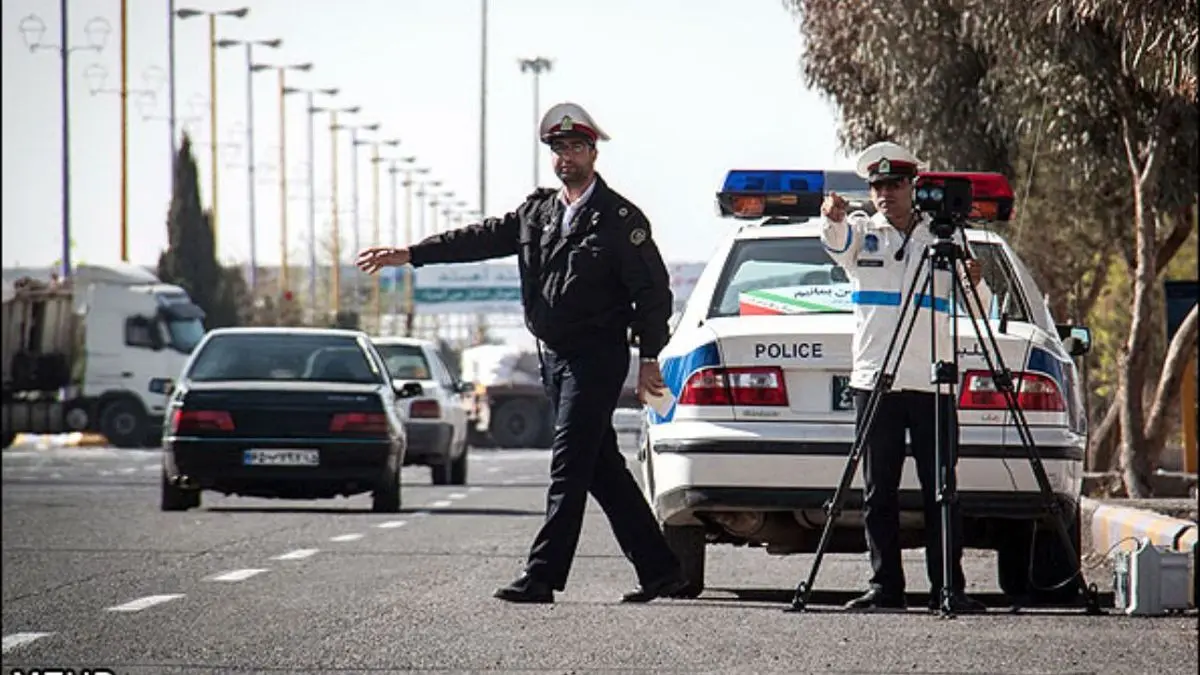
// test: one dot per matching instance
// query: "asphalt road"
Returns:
(95, 576)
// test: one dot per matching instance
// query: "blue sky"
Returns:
(686, 89)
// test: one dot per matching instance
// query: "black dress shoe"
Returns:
(526, 590)
(960, 603)
(656, 589)
(877, 598)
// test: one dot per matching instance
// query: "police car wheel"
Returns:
(688, 543)
(1032, 564)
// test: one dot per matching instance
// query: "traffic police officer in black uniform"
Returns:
(590, 271)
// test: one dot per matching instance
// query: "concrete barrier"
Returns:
(1115, 528)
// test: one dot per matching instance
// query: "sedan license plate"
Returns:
(281, 458)
(843, 395)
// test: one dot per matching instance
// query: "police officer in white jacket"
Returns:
(882, 257)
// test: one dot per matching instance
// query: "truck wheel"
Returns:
(687, 542)
(386, 496)
(458, 468)
(175, 498)
(123, 424)
(517, 423)
(1022, 549)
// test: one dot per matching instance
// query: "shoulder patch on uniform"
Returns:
(637, 235)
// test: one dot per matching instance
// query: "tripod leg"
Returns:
(1003, 380)
(833, 509)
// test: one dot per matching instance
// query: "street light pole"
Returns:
(251, 168)
(355, 207)
(97, 30)
(95, 75)
(312, 193)
(171, 88)
(409, 239)
(377, 238)
(337, 236)
(537, 66)
(212, 102)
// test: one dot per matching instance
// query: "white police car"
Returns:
(761, 427)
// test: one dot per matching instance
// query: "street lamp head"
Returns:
(301, 66)
(237, 13)
(97, 31)
(259, 67)
(391, 142)
(331, 91)
(353, 110)
(95, 74)
(154, 78)
(273, 44)
(145, 101)
(188, 13)
(32, 29)
(228, 43)
(371, 127)
(409, 160)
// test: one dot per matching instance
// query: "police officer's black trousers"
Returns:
(584, 389)
(883, 461)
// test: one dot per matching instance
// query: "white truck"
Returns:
(509, 407)
(92, 354)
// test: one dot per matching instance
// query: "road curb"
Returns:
(1109, 525)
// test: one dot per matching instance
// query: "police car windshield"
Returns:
(795, 275)
(792, 275)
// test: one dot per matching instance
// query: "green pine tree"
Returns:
(190, 259)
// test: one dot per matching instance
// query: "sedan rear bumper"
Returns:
(343, 468)
(428, 443)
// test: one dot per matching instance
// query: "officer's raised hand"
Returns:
(834, 207)
(371, 260)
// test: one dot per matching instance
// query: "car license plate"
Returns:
(843, 395)
(281, 458)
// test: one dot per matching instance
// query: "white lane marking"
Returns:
(106, 473)
(298, 554)
(474, 488)
(56, 475)
(420, 514)
(151, 467)
(508, 481)
(493, 469)
(458, 495)
(238, 575)
(391, 524)
(144, 603)
(440, 504)
(15, 640)
(128, 469)
(347, 537)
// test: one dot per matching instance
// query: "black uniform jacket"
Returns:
(605, 276)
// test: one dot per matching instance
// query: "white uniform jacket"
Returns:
(866, 250)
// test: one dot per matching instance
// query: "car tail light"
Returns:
(360, 423)
(735, 386)
(1035, 392)
(426, 409)
(201, 420)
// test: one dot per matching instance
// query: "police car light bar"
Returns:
(797, 193)
(764, 193)
(991, 194)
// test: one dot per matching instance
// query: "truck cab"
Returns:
(116, 332)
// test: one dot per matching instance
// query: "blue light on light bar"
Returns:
(773, 181)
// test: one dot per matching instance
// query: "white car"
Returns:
(760, 431)
(436, 420)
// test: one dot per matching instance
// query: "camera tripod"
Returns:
(944, 254)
